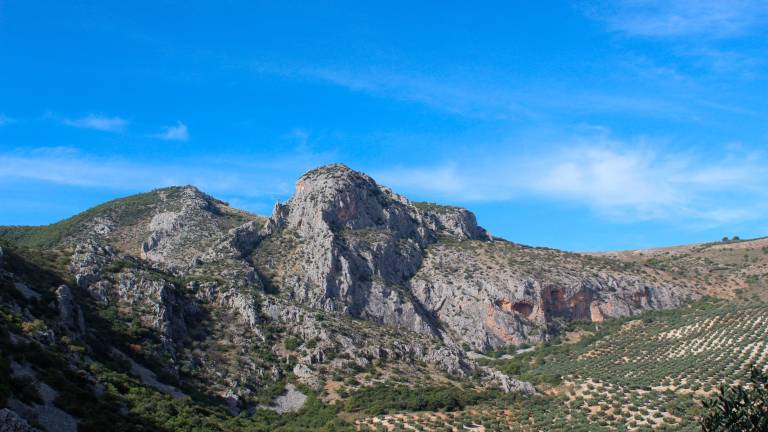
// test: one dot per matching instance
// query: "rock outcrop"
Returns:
(345, 276)
(184, 226)
(70, 314)
(365, 251)
(492, 294)
(11, 422)
(359, 244)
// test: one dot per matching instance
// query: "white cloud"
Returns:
(4, 120)
(174, 133)
(625, 181)
(97, 122)
(609, 179)
(677, 18)
(622, 180)
(699, 34)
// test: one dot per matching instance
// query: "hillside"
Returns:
(725, 269)
(171, 310)
(631, 374)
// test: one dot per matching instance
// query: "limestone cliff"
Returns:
(345, 276)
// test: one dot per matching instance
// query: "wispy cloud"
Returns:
(621, 180)
(728, 62)
(4, 120)
(492, 95)
(680, 18)
(487, 99)
(446, 94)
(174, 133)
(97, 122)
(266, 177)
(700, 41)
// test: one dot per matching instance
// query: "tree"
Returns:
(740, 407)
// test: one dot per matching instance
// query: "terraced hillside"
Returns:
(631, 374)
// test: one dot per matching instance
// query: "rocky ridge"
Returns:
(346, 276)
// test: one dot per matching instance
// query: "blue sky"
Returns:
(572, 124)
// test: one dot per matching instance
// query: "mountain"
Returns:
(174, 299)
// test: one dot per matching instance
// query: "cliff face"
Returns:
(345, 245)
(359, 244)
(489, 294)
(345, 276)
(365, 251)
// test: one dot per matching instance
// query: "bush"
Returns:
(387, 398)
(741, 408)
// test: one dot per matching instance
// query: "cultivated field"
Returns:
(650, 372)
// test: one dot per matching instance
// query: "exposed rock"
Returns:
(159, 298)
(486, 294)
(359, 244)
(454, 221)
(182, 229)
(307, 376)
(12, 422)
(48, 416)
(507, 384)
(69, 312)
(54, 419)
(243, 239)
(148, 377)
(19, 370)
(26, 291)
(451, 360)
(291, 401)
(103, 226)
(88, 261)
(365, 251)
(357, 276)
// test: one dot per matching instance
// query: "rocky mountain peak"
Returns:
(335, 197)
(360, 244)
(423, 281)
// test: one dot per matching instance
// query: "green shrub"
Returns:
(742, 408)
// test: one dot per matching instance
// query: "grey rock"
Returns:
(26, 291)
(486, 301)
(450, 360)
(149, 378)
(20, 370)
(182, 229)
(48, 416)
(349, 246)
(88, 260)
(364, 274)
(507, 384)
(359, 244)
(307, 376)
(290, 401)
(70, 314)
(165, 309)
(12, 422)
